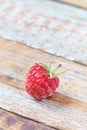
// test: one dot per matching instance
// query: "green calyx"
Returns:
(52, 72)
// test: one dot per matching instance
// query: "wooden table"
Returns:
(43, 31)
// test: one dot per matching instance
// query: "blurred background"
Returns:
(56, 26)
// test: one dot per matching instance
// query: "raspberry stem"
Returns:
(53, 72)
(56, 68)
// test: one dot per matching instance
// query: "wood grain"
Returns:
(80, 3)
(68, 106)
(9, 121)
(54, 27)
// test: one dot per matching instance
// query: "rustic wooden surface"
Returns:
(48, 27)
(9, 121)
(79, 3)
(68, 106)
(51, 26)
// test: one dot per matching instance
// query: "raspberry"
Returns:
(41, 82)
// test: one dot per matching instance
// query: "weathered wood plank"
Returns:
(9, 121)
(66, 109)
(49, 112)
(80, 3)
(15, 64)
(50, 26)
(61, 98)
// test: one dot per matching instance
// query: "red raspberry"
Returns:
(41, 82)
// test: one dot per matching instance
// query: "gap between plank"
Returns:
(24, 44)
(29, 119)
